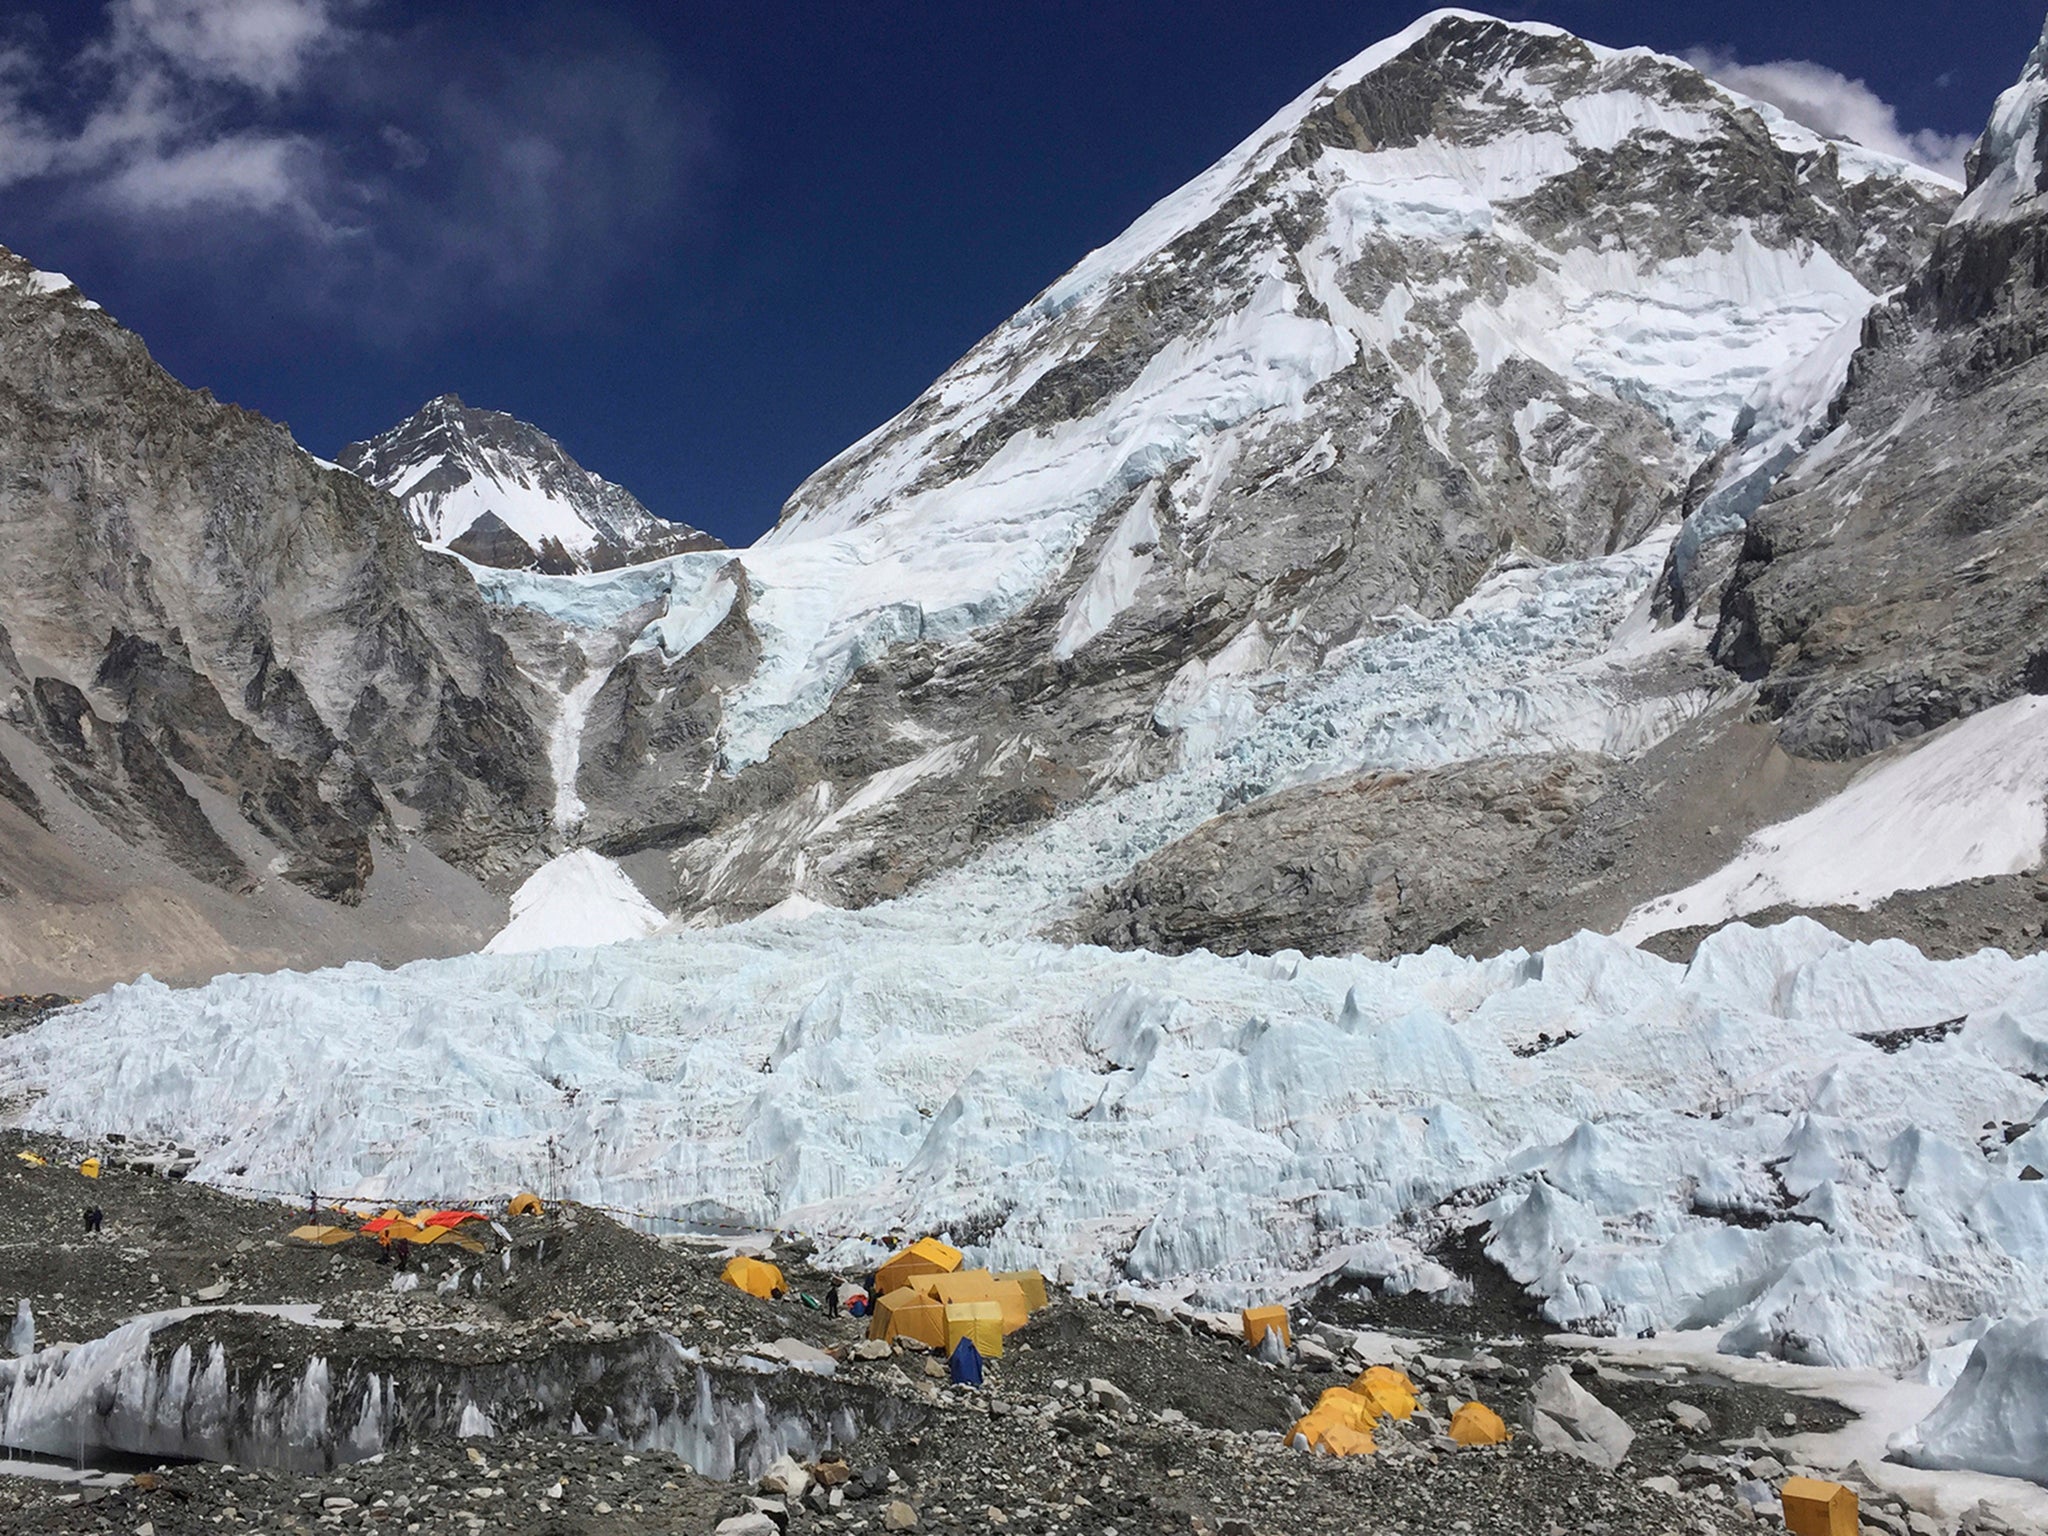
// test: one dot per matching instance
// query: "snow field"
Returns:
(576, 898)
(1968, 802)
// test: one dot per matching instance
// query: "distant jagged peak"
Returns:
(500, 491)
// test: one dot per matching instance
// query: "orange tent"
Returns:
(1339, 1424)
(446, 1218)
(1477, 1424)
(1389, 1391)
(978, 1285)
(525, 1203)
(1032, 1283)
(754, 1276)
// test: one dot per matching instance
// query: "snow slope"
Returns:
(575, 899)
(1971, 801)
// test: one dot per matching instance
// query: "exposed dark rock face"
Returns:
(1376, 864)
(221, 651)
(500, 492)
(1895, 580)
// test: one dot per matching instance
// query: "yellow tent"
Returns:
(326, 1237)
(1339, 1424)
(1477, 1424)
(756, 1277)
(978, 1285)
(926, 1256)
(908, 1314)
(32, 1160)
(981, 1321)
(90, 1167)
(449, 1237)
(1032, 1283)
(1259, 1321)
(1388, 1390)
(524, 1203)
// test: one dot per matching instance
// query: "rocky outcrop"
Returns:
(500, 492)
(1892, 583)
(1376, 864)
(233, 662)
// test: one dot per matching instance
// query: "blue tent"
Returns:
(965, 1365)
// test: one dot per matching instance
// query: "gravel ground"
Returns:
(1099, 1418)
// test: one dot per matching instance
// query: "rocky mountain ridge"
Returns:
(232, 685)
(501, 492)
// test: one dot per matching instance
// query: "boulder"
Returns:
(1564, 1416)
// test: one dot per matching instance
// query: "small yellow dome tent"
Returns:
(1477, 1424)
(926, 1256)
(1340, 1424)
(756, 1277)
(90, 1167)
(1389, 1391)
(525, 1203)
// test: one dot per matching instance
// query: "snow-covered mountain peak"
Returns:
(1485, 285)
(502, 492)
(2009, 164)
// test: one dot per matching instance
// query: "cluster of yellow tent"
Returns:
(1341, 1423)
(923, 1294)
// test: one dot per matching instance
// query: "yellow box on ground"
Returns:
(1815, 1508)
(1259, 1321)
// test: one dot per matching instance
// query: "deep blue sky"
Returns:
(705, 245)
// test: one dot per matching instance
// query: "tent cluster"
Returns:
(1342, 1421)
(924, 1295)
(426, 1227)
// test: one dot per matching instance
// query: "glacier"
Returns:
(1653, 1145)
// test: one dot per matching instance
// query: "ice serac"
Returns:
(503, 493)
(232, 685)
(1742, 1144)
(1486, 295)
(1991, 1420)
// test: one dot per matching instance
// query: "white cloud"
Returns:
(262, 44)
(1829, 102)
(400, 178)
(248, 172)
